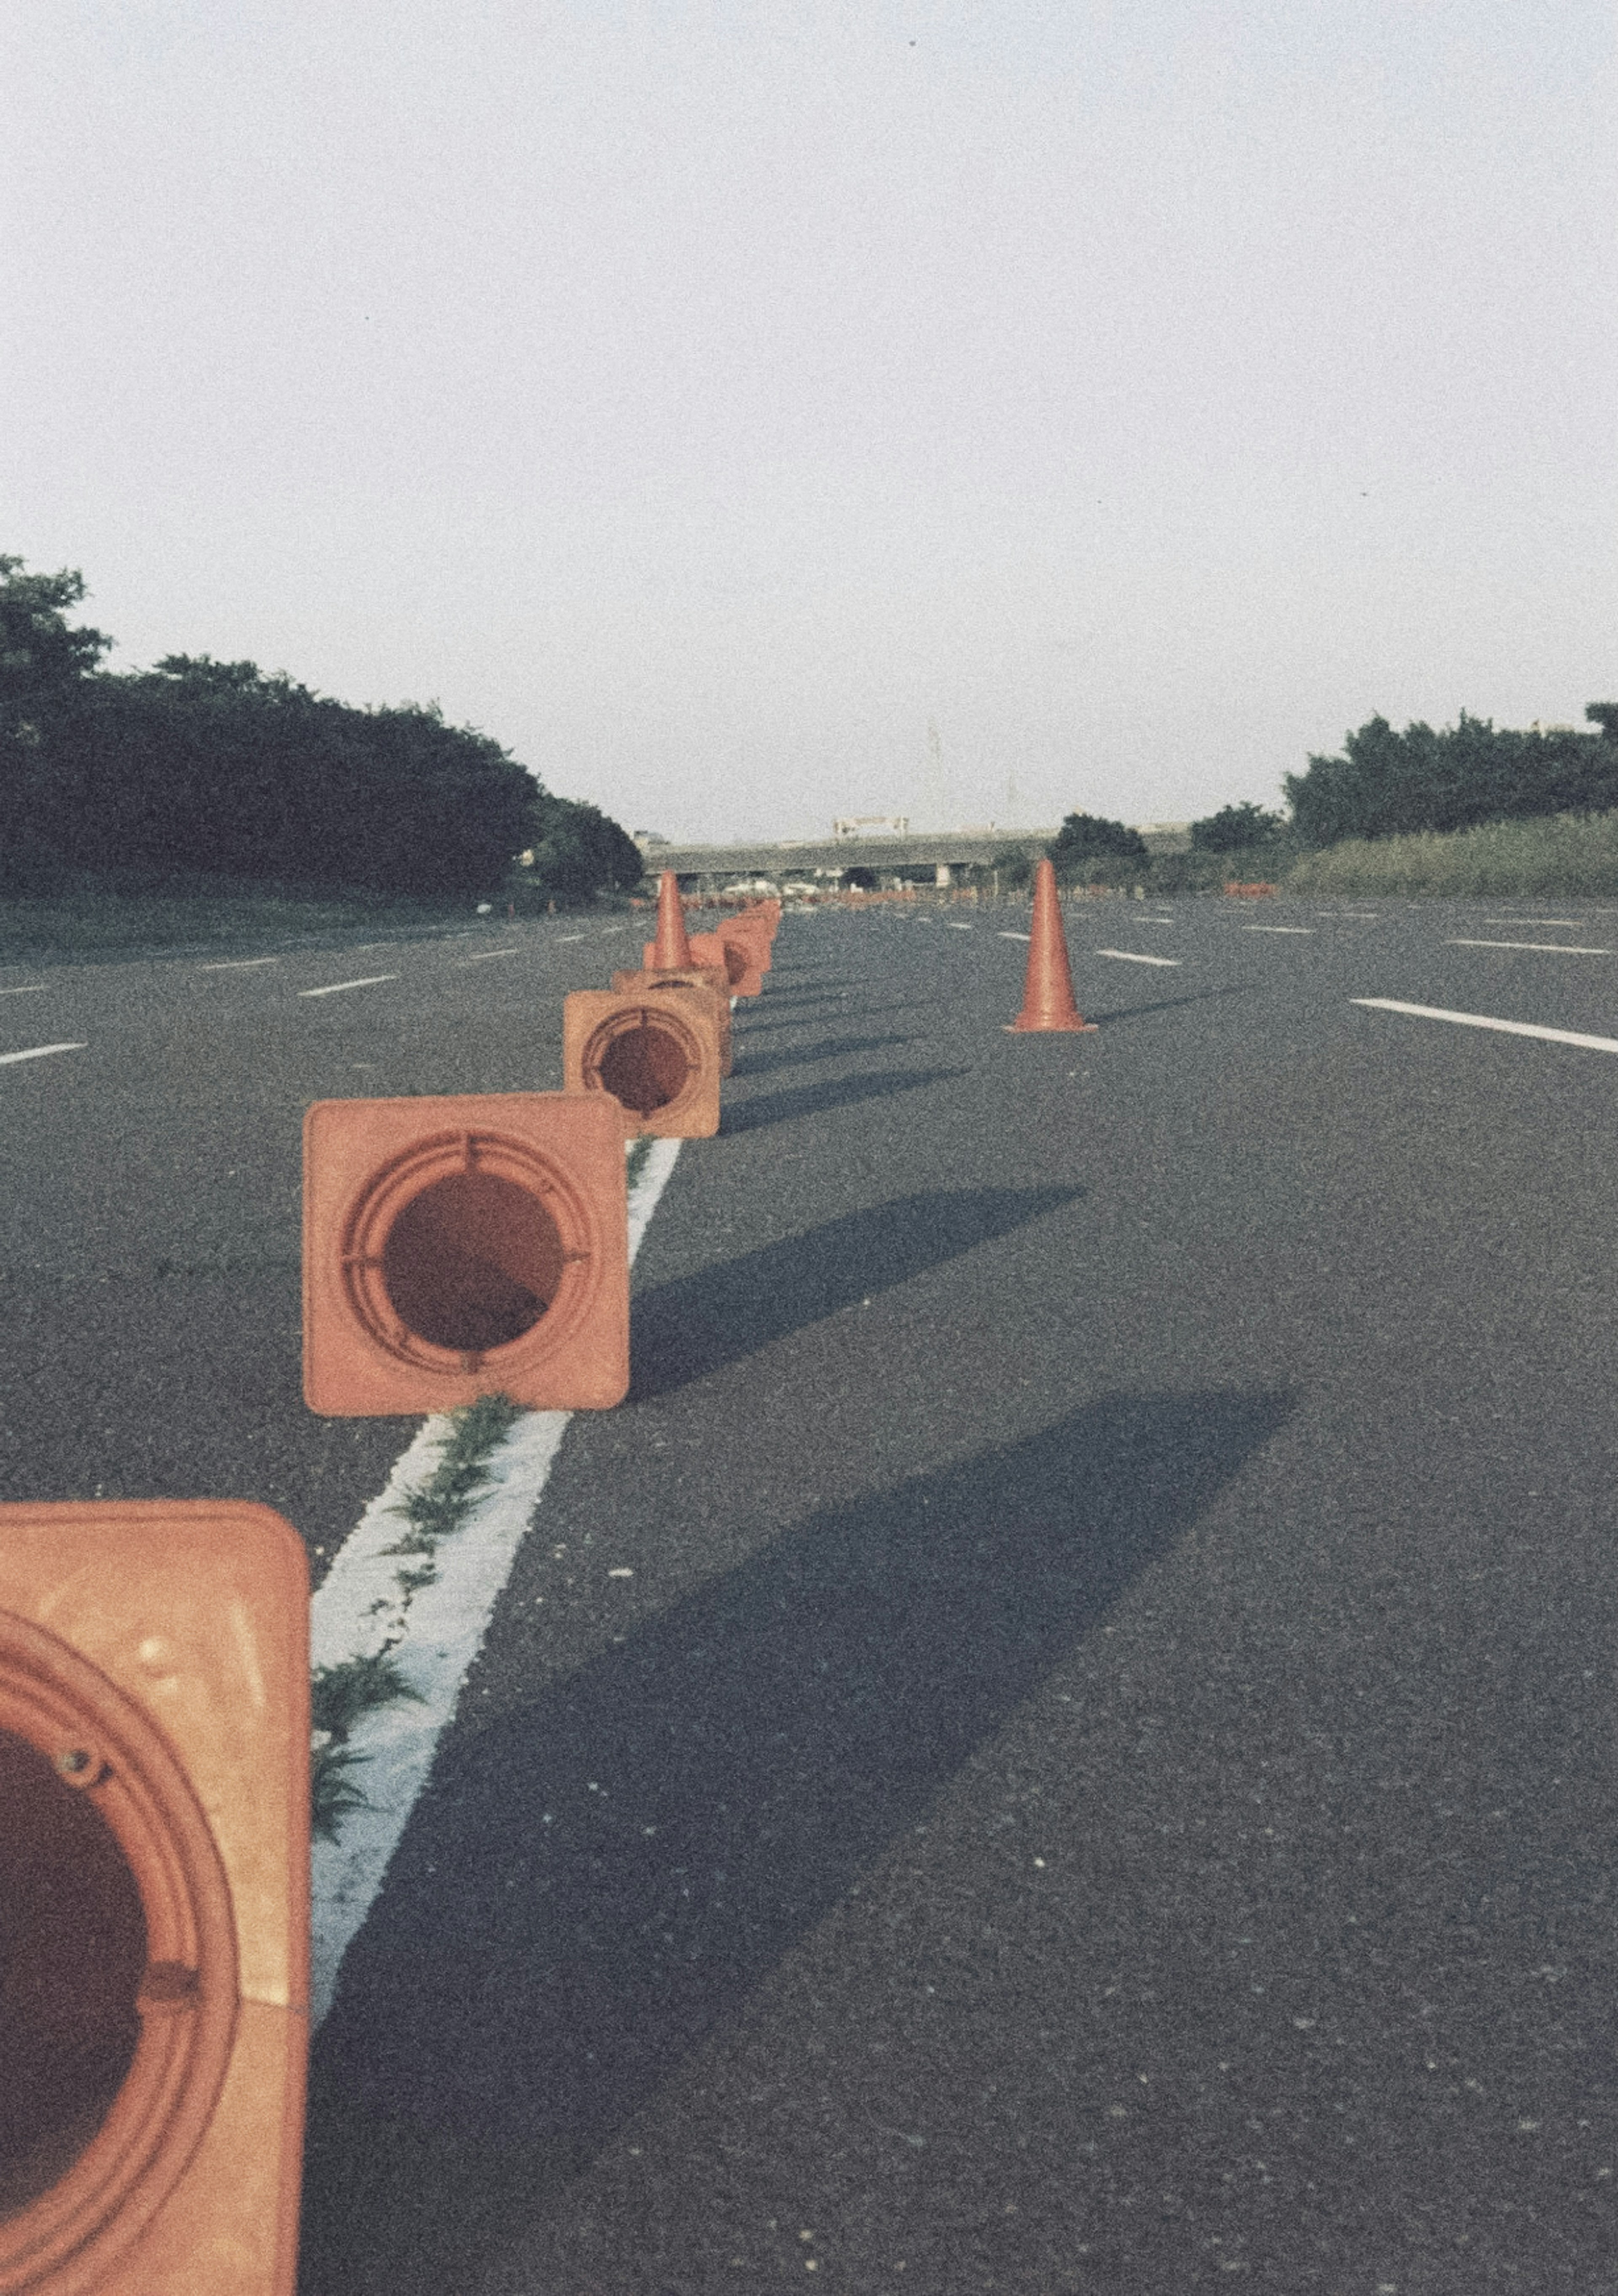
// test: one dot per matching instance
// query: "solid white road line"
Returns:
(448, 1619)
(1546, 948)
(1131, 956)
(1288, 929)
(38, 1052)
(238, 963)
(1008, 936)
(34, 988)
(483, 956)
(1482, 1021)
(337, 986)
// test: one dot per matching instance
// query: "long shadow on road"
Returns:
(828, 1049)
(837, 1092)
(684, 1330)
(595, 1884)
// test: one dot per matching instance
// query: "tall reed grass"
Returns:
(1563, 855)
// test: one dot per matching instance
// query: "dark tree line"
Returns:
(198, 766)
(1388, 784)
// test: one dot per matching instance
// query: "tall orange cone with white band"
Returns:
(671, 950)
(1047, 995)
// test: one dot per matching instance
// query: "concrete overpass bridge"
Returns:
(706, 868)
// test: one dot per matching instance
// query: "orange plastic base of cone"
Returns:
(738, 957)
(154, 1868)
(709, 978)
(655, 1055)
(464, 1246)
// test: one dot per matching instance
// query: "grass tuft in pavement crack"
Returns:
(342, 1694)
(640, 1148)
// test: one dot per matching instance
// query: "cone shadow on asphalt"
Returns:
(698, 1324)
(524, 1987)
(839, 1048)
(837, 1092)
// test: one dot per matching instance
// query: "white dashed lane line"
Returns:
(1131, 957)
(238, 963)
(1546, 948)
(1285, 928)
(1008, 936)
(448, 1620)
(336, 987)
(38, 1052)
(953, 927)
(34, 988)
(483, 956)
(1482, 1021)
(1569, 921)
(565, 937)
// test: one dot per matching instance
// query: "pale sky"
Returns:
(702, 400)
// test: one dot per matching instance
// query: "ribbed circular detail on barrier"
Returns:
(118, 1967)
(645, 1059)
(470, 1247)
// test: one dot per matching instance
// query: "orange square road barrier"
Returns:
(655, 1056)
(737, 954)
(705, 980)
(459, 1246)
(154, 1870)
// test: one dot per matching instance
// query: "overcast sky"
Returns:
(706, 400)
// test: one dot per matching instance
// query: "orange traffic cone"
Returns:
(1047, 995)
(671, 951)
(154, 1877)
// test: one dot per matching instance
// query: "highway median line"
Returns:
(402, 1613)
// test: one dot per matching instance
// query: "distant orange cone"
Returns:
(1047, 995)
(671, 951)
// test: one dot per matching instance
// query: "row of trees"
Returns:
(198, 766)
(1384, 784)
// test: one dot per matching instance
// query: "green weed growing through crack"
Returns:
(340, 1694)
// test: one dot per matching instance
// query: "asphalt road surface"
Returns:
(1102, 1777)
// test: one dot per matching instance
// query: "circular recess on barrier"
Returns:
(645, 1059)
(118, 1967)
(470, 1245)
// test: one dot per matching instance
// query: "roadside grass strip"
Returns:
(1133, 956)
(336, 987)
(40, 1052)
(401, 1615)
(1547, 947)
(1482, 1021)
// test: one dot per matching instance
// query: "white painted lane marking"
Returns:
(1006, 936)
(337, 986)
(562, 937)
(1482, 1021)
(238, 963)
(953, 927)
(1131, 957)
(34, 988)
(448, 1619)
(38, 1052)
(484, 956)
(1289, 928)
(1546, 948)
(1537, 921)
